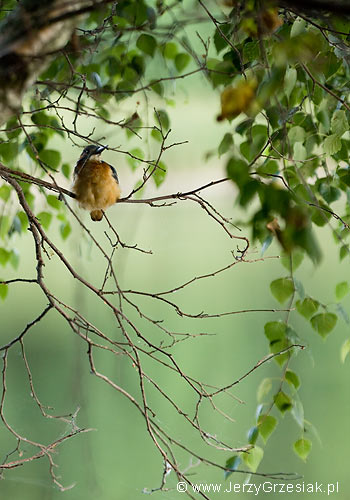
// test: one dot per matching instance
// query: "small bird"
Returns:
(96, 183)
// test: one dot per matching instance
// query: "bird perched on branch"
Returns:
(96, 184)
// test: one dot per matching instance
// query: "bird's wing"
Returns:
(114, 173)
(79, 166)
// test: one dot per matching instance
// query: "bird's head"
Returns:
(92, 152)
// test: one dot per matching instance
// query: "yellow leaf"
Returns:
(236, 100)
(270, 21)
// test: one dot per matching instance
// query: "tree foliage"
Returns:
(280, 75)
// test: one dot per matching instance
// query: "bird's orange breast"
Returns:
(95, 187)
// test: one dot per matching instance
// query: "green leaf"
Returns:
(44, 219)
(170, 50)
(23, 219)
(344, 351)
(14, 258)
(267, 424)
(65, 230)
(324, 323)
(219, 42)
(343, 252)
(163, 117)
(96, 79)
(332, 144)
(342, 289)
(298, 27)
(298, 413)
(307, 307)
(296, 134)
(320, 217)
(13, 124)
(259, 131)
(66, 170)
(299, 152)
(5, 224)
(159, 174)
(282, 289)
(253, 435)
(263, 389)
(244, 126)
(292, 335)
(238, 171)
(51, 158)
(225, 144)
(53, 201)
(4, 256)
(40, 118)
(157, 87)
(342, 312)
(275, 330)
(302, 448)
(247, 150)
(339, 122)
(253, 458)
(181, 61)
(147, 44)
(3, 290)
(299, 288)
(329, 193)
(5, 192)
(16, 226)
(277, 347)
(156, 135)
(8, 151)
(293, 260)
(283, 402)
(290, 79)
(133, 162)
(292, 379)
(250, 52)
(266, 243)
(232, 464)
(268, 167)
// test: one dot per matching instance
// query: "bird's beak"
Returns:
(100, 149)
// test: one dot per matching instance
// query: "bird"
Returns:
(95, 185)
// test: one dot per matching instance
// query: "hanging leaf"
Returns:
(332, 144)
(307, 307)
(232, 464)
(264, 388)
(253, 435)
(342, 289)
(3, 290)
(324, 323)
(283, 402)
(292, 379)
(181, 61)
(225, 144)
(266, 424)
(302, 448)
(253, 458)
(339, 122)
(159, 174)
(51, 158)
(344, 351)
(147, 44)
(282, 289)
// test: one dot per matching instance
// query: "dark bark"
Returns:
(28, 37)
(317, 7)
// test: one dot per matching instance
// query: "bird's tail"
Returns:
(96, 215)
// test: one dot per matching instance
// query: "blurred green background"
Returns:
(117, 458)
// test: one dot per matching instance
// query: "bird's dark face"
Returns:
(92, 150)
